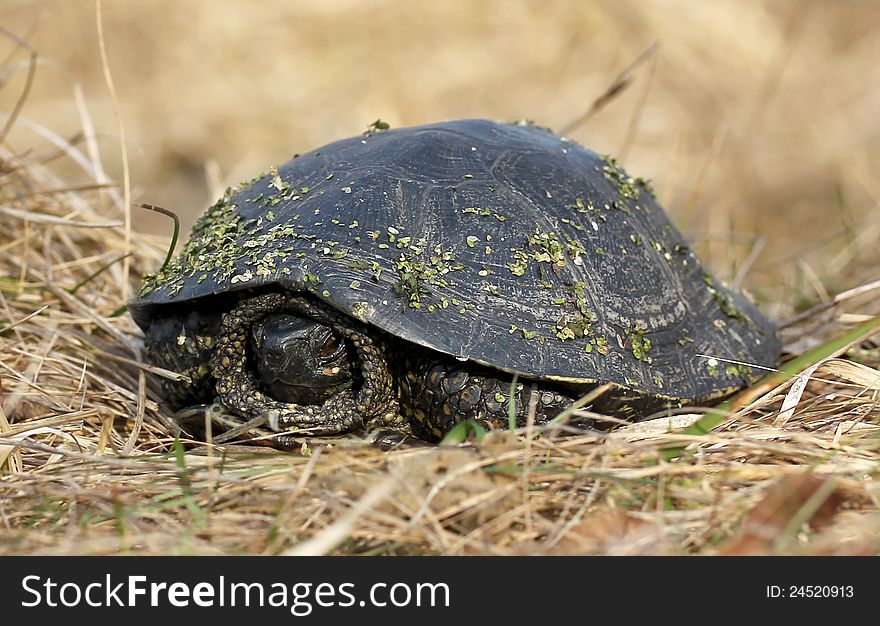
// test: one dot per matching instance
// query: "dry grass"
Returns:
(759, 119)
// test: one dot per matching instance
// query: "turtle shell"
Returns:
(503, 244)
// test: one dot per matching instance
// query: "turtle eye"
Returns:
(330, 347)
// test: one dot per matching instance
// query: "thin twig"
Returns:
(22, 98)
(126, 175)
(620, 82)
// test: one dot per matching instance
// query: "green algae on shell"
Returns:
(415, 232)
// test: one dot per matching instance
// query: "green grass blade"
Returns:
(772, 380)
(175, 233)
(580, 403)
(183, 475)
(461, 431)
(85, 281)
(174, 236)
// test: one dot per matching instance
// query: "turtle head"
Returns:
(299, 360)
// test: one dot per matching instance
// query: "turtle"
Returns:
(415, 278)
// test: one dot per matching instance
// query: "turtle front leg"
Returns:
(183, 342)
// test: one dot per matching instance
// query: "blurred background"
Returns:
(757, 122)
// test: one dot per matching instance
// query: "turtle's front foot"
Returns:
(224, 425)
(193, 421)
(380, 433)
(391, 431)
(388, 439)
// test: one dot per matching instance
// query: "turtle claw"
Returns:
(388, 439)
(383, 438)
(191, 420)
(225, 425)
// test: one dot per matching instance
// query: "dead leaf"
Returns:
(787, 505)
(616, 533)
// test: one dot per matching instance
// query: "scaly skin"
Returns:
(402, 388)
(183, 343)
(437, 393)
